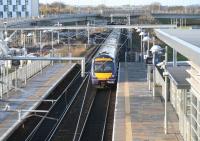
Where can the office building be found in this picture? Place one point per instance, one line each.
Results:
(19, 8)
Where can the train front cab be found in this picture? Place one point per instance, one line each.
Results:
(103, 72)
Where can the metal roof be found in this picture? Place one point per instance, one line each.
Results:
(186, 42)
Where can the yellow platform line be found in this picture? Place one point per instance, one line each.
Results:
(128, 125)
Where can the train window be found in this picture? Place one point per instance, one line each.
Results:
(103, 66)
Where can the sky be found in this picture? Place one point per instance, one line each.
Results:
(124, 2)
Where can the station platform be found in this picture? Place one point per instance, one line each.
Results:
(137, 116)
(37, 88)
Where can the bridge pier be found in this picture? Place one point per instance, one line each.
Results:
(76, 30)
(174, 58)
(88, 31)
(180, 24)
(185, 22)
(129, 19)
(1, 35)
(174, 21)
(111, 18)
(131, 39)
(34, 38)
(22, 37)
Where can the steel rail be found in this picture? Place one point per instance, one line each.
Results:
(69, 85)
(52, 132)
(88, 59)
(76, 76)
(97, 126)
(82, 106)
(81, 133)
(106, 116)
(45, 116)
(86, 119)
(87, 63)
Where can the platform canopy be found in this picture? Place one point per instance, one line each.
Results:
(185, 41)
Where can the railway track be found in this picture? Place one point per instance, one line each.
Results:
(34, 119)
(99, 125)
(90, 120)
(110, 119)
(69, 126)
(66, 94)
(47, 127)
(95, 126)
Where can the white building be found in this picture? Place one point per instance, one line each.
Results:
(19, 8)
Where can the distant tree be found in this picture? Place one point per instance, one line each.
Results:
(147, 19)
(101, 6)
(58, 5)
(177, 9)
(55, 8)
(156, 6)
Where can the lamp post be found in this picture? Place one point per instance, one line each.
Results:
(69, 47)
(52, 48)
(88, 31)
(59, 25)
(5, 28)
(147, 39)
(129, 36)
(25, 54)
(41, 49)
(165, 74)
(7, 80)
(141, 35)
(25, 80)
(40, 42)
(163, 65)
(154, 49)
(2, 81)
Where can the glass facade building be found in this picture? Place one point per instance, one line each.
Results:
(19, 8)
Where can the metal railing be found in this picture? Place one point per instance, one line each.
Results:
(160, 81)
(19, 77)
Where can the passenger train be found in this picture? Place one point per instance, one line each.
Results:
(105, 62)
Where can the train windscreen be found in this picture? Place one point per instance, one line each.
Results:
(103, 67)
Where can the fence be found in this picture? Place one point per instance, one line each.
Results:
(19, 77)
(180, 100)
